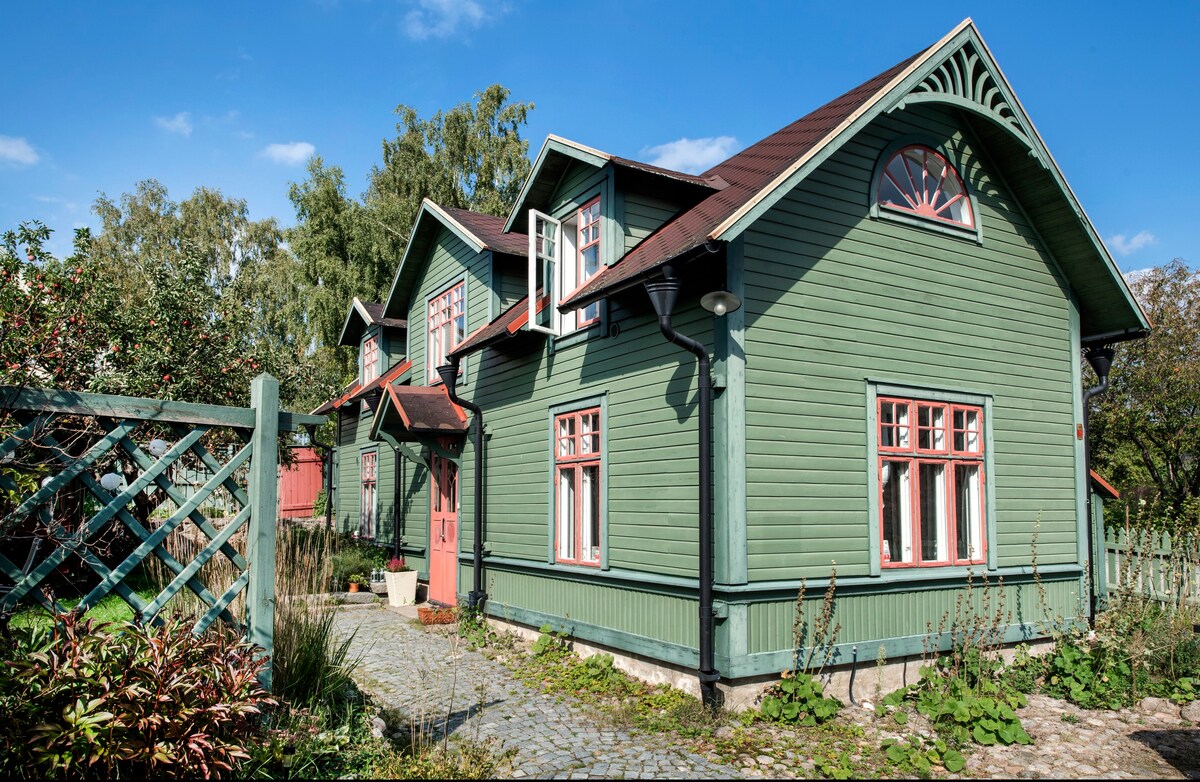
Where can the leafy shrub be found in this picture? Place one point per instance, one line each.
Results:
(799, 698)
(917, 755)
(965, 697)
(89, 700)
(348, 562)
(550, 643)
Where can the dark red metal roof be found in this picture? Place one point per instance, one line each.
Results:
(490, 230)
(1105, 488)
(427, 409)
(746, 173)
(375, 313)
(357, 390)
(509, 323)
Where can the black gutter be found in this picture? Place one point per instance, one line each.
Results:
(327, 465)
(1100, 357)
(663, 293)
(449, 375)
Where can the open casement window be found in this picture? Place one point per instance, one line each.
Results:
(931, 483)
(919, 181)
(447, 326)
(577, 473)
(545, 251)
(368, 479)
(563, 255)
(370, 360)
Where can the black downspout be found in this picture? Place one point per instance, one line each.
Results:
(449, 375)
(1100, 357)
(327, 464)
(663, 294)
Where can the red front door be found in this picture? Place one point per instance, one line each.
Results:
(443, 531)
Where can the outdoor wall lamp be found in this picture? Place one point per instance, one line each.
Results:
(110, 481)
(157, 446)
(720, 303)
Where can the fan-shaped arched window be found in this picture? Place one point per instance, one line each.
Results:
(918, 180)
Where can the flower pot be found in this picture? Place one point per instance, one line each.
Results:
(401, 587)
(352, 587)
(437, 616)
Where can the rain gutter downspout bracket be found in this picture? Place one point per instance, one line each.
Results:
(449, 375)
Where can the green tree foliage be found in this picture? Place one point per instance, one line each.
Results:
(471, 157)
(184, 301)
(1146, 429)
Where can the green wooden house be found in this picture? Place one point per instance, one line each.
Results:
(870, 323)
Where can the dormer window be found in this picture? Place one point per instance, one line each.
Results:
(370, 359)
(919, 181)
(563, 256)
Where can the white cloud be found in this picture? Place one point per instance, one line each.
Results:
(691, 155)
(291, 154)
(181, 123)
(1123, 245)
(17, 151)
(70, 206)
(442, 18)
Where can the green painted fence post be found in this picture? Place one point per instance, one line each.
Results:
(260, 541)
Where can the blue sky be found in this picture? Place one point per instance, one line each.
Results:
(235, 96)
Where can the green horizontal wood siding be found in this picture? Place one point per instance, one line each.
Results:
(650, 391)
(834, 297)
(643, 215)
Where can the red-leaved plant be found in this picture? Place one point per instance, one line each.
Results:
(88, 700)
(397, 565)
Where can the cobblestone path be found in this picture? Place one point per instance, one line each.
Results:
(427, 675)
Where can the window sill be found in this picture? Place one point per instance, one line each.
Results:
(937, 226)
(910, 573)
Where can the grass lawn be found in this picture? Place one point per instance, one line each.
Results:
(110, 609)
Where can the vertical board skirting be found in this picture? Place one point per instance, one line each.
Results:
(260, 539)
(729, 337)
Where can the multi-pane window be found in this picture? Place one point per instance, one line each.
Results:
(447, 326)
(563, 256)
(588, 256)
(920, 181)
(368, 477)
(577, 471)
(370, 360)
(931, 483)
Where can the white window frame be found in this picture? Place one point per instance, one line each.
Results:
(560, 270)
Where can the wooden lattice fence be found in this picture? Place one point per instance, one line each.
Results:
(80, 471)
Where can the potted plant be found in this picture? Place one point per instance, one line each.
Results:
(356, 581)
(401, 582)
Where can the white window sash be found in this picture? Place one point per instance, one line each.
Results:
(549, 267)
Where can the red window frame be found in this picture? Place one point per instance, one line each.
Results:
(901, 440)
(920, 192)
(369, 484)
(575, 453)
(587, 236)
(370, 359)
(446, 327)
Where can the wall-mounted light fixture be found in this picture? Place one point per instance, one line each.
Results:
(720, 303)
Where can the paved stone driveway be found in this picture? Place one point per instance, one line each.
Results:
(431, 677)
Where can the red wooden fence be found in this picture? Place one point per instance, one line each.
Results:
(299, 484)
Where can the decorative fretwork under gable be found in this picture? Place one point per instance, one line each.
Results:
(966, 78)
